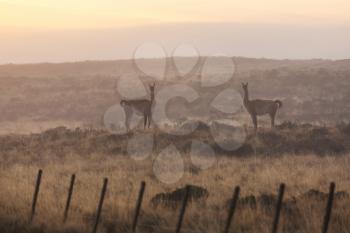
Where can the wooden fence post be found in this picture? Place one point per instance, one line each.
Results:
(183, 209)
(35, 196)
(327, 215)
(69, 197)
(232, 209)
(278, 208)
(100, 204)
(138, 206)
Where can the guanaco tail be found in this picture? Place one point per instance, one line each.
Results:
(139, 106)
(260, 107)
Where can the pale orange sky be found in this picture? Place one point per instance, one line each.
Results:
(82, 14)
(73, 30)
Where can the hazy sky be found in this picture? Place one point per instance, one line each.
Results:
(106, 29)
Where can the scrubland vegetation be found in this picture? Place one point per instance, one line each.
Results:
(266, 160)
(52, 119)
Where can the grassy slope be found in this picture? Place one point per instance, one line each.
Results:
(287, 138)
(61, 152)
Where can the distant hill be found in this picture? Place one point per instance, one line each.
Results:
(34, 97)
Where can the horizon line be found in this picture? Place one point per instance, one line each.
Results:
(157, 58)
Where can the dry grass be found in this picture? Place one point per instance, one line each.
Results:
(264, 161)
(255, 175)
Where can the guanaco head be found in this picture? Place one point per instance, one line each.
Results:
(245, 86)
(151, 87)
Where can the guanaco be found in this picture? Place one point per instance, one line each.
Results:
(260, 107)
(140, 107)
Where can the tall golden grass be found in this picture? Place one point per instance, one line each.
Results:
(255, 175)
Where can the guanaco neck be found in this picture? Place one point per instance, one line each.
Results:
(152, 97)
(246, 97)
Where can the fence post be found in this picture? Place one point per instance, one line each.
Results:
(138, 206)
(100, 204)
(327, 215)
(183, 209)
(70, 193)
(35, 196)
(232, 209)
(278, 208)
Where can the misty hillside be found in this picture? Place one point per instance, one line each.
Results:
(34, 97)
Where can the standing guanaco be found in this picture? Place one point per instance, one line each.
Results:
(260, 107)
(140, 107)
